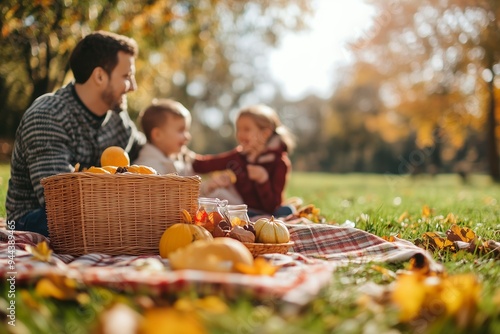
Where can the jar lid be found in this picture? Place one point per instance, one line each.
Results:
(237, 207)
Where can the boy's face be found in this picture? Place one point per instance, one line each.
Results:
(173, 135)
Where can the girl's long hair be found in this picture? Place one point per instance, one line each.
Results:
(267, 118)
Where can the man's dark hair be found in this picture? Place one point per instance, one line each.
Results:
(99, 49)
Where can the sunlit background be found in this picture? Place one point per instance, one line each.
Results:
(305, 62)
(396, 87)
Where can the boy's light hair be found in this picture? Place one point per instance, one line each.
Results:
(156, 114)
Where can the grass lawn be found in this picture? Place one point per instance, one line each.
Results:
(4, 180)
(380, 204)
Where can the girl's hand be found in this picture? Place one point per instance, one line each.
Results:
(257, 173)
(218, 179)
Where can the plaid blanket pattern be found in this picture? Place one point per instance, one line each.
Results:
(347, 244)
(303, 272)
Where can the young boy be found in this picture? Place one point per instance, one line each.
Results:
(166, 124)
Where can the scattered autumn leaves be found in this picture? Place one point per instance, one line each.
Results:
(423, 294)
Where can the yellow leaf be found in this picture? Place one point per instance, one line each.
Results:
(409, 295)
(426, 211)
(59, 287)
(28, 299)
(403, 216)
(435, 241)
(260, 267)
(160, 320)
(450, 218)
(391, 238)
(464, 233)
(212, 304)
(41, 251)
(460, 292)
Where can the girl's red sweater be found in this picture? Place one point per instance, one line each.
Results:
(265, 196)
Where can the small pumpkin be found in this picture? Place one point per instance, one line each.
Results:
(271, 231)
(181, 234)
(219, 255)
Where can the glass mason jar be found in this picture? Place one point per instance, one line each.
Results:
(210, 212)
(238, 214)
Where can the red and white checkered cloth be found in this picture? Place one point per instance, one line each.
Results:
(303, 273)
(347, 244)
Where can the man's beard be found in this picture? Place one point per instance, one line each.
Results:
(109, 98)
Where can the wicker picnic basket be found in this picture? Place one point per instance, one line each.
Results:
(115, 214)
(259, 248)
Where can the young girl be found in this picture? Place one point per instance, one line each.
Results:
(260, 161)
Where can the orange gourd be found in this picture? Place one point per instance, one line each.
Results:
(181, 234)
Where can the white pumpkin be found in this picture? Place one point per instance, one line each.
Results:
(271, 231)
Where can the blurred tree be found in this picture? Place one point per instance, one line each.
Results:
(353, 123)
(438, 62)
(202, 53)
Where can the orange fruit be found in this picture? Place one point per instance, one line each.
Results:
(115, 156)
(141, 169)
(97, 170)
(111, 169)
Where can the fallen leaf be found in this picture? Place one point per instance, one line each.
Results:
(160, 320)
(391, 238)
(465, 234)
(403, 216)
(41, 251)
(409, 295)
(450, 218)
(419, 296)
(260, 267)
(426, 211)
(59, 287)
(434, 241)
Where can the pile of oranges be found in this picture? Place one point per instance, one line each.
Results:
(115, 160)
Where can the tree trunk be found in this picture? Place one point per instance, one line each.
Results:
(491, 139)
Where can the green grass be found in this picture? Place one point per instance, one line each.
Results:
(4, 181)
(384, 198)
(374, 203)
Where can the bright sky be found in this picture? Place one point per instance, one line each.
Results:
(305, 63)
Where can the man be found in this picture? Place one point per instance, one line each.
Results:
(73, 125)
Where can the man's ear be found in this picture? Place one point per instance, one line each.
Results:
(99, 75)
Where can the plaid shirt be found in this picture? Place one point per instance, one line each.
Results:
(55, 133)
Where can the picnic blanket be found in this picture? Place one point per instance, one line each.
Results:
(304, 271)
